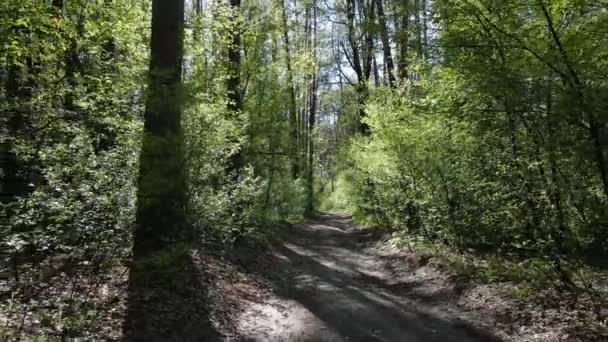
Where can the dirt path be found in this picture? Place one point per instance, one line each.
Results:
(331, 284)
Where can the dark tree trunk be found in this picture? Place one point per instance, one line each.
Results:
(11, 183)
(403, 39)
(352, 39)
(311, 152)
(73, 65)
(418, 28)
(161, 197)
(368, 52)
(311, 118)
(235, 104)
(293, 119)
(16, 174)
(376, 72)
(166, 300)
(361, 62)
(386, 46)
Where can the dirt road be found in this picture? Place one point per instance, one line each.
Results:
(330, 284)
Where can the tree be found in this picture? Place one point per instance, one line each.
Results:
(312, 115)
(164, 286)
(360, 18)
(403, 18)
(161, 188)
(235, 101)
(293, 120)
(386, 46)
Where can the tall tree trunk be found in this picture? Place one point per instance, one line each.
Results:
(235, 104)
(311, 117)
(196, 34)
(293, 119)
(12, 183)
(386, 46)
(361, 61)
(73, 66)
(368, 44)
(418, 28)
(403, 40)
(376, 72)
(425, 30)
(165, 292)
(352, 39)
(161, 196)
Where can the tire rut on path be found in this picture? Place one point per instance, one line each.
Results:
(330, 285)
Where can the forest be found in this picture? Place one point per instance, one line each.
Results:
(163, 162)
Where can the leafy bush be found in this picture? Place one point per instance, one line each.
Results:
(434, 168)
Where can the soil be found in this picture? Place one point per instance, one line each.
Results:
(331, 282)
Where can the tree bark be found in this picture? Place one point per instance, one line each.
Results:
(235, 104)
(386, 46)
(161, 188)
(376, 72)
(293, 119)
(418, 29)
(403, 38)
(361, 66)
(311, 117)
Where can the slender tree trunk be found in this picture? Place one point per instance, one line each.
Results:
(271, 170)
(418, 28)
(360, 62)
(352, 39)
(73, 65)
(311, 116)
(386, 46)
(368, 44)
(403, 40)
(196, 35)
(12, 183)
(293, 120)
(376, 72)
(425, 29)
(235, 104)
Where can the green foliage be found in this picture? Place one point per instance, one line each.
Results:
(287, 199)
(224, 206)
(498, 146)
(339, 198)
(70, 139)
(446, 163)
(76, 165)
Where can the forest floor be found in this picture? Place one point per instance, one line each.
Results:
(321, 280)
(328, 280)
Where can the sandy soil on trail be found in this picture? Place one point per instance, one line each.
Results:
(331, 283)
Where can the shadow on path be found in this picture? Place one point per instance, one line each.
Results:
(321, 265)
